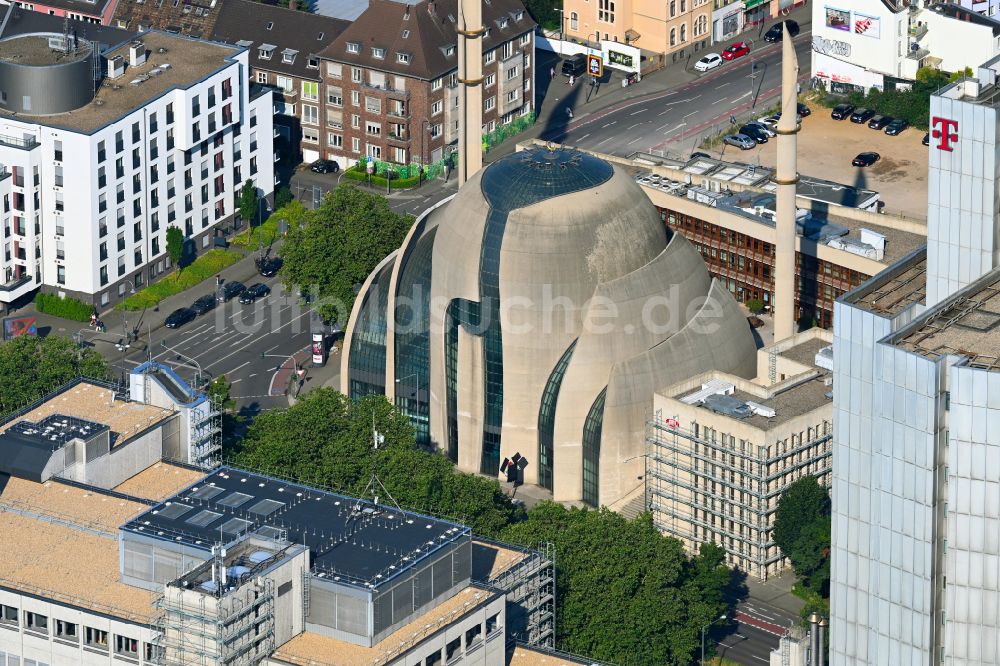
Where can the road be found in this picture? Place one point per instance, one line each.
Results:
(230, 341)
(753, 634)
(680, 118)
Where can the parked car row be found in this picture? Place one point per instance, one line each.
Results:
(859, 116)
(267, 267)
(760, 130)
(740, 49)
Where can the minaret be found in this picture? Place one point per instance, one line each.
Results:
(470, 92)
(785, 178)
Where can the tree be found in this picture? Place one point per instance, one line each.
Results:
(338, 245)
(326, 440)
(802, 532)
(218, 391)
(755, 306)
(30, 367)
(248, 202)
(622, 588)
(175, 245)
(544, 12)
(282, 197)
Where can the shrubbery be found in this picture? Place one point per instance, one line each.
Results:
(202, 268)
(67, 308)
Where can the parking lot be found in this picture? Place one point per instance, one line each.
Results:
(826, 148)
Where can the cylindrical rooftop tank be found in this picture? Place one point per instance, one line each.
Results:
(46, 73)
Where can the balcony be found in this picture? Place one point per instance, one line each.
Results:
(918, 55)
(391, 93)
(397, 114)
(918, 31)
(24, 143)
(14, 283)
(397, 139)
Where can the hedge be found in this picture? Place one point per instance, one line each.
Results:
(202, 268)
(266, 232)
(67, 308)
(359, 173)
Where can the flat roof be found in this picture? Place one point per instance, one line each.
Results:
(489, 560)
(966, 324)
(88, 401)
(68, 565)
(524, 655)
(189, 60)
(312, 649)
(159, 481)
(34, 50)
(356, 541)
(895, 289)
(96, 511)
(805, 352)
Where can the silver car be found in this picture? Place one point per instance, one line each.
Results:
(741, 141)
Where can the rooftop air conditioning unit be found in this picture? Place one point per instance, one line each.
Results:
(116, 67)
(136, 54)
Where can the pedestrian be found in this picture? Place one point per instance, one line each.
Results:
(572, 80)
(569, 112)
(552, 72)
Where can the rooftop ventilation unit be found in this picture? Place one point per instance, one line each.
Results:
(136, 54)
(727, 405)
(761, 410)
(711, 387)
(116, 67)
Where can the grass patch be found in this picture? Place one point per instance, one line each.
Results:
(67, 308)
(265, 233)
(201, 269)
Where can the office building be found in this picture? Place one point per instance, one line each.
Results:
(868, 44)
(104, 148)
(494, 348)
(391, 80)
(722, 449)
(677, 28)
(113, 555)
(916, 505)
(283, 45)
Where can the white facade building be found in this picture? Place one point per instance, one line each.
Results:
(167, 139)
(916, 498)
(863, 44)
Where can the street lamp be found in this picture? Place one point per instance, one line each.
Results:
(424, 126)
(703, 630)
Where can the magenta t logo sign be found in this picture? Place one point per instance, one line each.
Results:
(946, 131)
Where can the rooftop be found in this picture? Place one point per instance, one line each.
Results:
(68, 504)
(189, 61)
(352, 541)
(87, 7)
(159, 481)
(44, 558)
(895, 289)
(22, 21)
(194, 18)
(489, 560)
(966, 324)
(36, 50)
(960, 13)
(312, 649)
(805, 352)
(524, 655)
(91, 402)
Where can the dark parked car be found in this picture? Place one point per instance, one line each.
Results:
(862, 115)
(203, 305)
(324, 166)
(774, 32)
(896, 126)
(179, 317)
(696, 155)
(842, 111)
(879, 122)
(865, 159)
(252, 293)
(269, 267)
(231, 290)
(574, 66)
(803, 110)
(927, 139)
(754, 132)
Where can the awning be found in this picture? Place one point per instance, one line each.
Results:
(750, 4)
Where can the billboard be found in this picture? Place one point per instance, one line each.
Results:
(838, 19)
(595, 65)
(15, 327)
(869, 26)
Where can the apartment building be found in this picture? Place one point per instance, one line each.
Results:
(107, 147)
(96, 12)
(192, 18)
(727, 211)
(283, 45)
(677, 28)
(722, 450)
(391, 80)
(113, 555)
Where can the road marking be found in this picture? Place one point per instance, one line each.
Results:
(632, 126)
(292, 321)
(240, 366)
(761, 658)
(744, 95)
(633, 141)
(582, 137)
(676, 128)
(603, 141)
(663, 113)
(642, 110)
(723, 85)
(690, 114)
(235, 381)
(609, 124)
(662, 127)
(252, 375)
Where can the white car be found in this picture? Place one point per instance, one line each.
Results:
(767, 121)
(711, 61)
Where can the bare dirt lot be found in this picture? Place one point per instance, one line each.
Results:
(826, 148)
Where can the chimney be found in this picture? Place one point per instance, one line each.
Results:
(785, 177)
(814, 618)
(136, 54)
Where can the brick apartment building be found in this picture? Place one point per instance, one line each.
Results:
(193, 18)
(283, 44)
(390, 79)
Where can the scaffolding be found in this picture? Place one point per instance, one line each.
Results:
(206, 436)
(530, 588)
(701, 490)
(233, 626)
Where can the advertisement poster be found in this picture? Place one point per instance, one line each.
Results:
(869, 26)
(595, 66)
(838, 19)
(620, 59)
(15, 327)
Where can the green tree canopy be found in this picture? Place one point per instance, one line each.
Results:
(326, 439)
(247, 202)
(30, 367)
(802, 532)
(338, 245)
(622, 588)
(175, 245)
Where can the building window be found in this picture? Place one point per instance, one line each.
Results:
(67, 630)
(334, 70)
(490, 104)
(437, 83)
(335, 97)
(673, 36)
(310, 114)
(378, 53)
(355, 121)
(435, 131)
(373, 129)
(355, 98)
(356, 74)
(288, 56)
(491, 79)
(403, 58)
(8, 614)
(512, 96)
(673, 8)
(264, 54)
(400, 157)
(683, 33)
(512, 73)
(373, 105)
(312, 62)
(353, 47)
(700, 24)
(35, 621)
(606, 11)
(374, 151)
(525, 39)
(310, 135)
(310, 91)
(127, 647)
(592, 450)
(437, 107)
(335, 140)
(508, 49)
